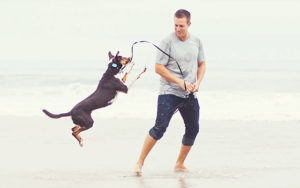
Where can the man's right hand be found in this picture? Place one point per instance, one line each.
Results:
(166, 74)
(188, 86)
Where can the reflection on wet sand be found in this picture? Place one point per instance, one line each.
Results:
(182, 183)
(144, 182)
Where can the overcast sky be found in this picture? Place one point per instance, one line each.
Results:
(87, 29)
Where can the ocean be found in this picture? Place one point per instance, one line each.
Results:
(236, 90)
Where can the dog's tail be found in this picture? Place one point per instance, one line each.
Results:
(56, 115)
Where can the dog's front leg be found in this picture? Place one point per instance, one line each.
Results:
(126, 74)
(136, 78)
(130, 85)
(123, 80)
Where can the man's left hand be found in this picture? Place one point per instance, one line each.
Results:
(196, 86)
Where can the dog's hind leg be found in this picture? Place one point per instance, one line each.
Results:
(76, 130)
(82, 121)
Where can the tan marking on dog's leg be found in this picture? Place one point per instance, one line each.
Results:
(76, 134)
(78, 138)
(124, 77)
(143, 71)
(137, 77)
(76, 128)
(127, 73)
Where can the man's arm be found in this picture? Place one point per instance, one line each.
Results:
(166, 74)
(200, 75)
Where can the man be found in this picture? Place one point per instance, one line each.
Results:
(177, 87)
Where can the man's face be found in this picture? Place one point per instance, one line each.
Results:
(181, 27)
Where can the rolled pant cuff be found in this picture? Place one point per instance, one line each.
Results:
(153, 135)
(188, 141)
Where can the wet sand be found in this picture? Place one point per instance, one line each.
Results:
(40, 152)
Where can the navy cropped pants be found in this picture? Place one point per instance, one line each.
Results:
(189, 110)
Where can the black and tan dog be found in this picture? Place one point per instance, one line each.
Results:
(104, 95)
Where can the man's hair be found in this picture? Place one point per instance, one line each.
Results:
(181, 13)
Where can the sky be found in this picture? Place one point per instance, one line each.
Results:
(74, 30)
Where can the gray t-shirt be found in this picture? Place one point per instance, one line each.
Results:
(187, 53)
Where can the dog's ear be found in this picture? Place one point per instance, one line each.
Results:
(110, 56)
(117, 53)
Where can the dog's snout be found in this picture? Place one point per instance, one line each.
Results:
(128, 60)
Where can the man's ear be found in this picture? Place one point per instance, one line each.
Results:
(110, 56)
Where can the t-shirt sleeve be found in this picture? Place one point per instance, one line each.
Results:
(200, 53)
(162, 58)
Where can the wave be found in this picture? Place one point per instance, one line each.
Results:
(141, 102)
(239, 95)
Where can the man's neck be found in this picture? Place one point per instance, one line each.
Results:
(184, 37)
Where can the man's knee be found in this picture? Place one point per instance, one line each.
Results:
(157, 132)
(190, 135)
(195, 130)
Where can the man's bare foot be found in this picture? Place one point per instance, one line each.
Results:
(138, 169)
(75, 134)
(180, 168)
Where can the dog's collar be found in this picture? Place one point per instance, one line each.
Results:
(116, 66)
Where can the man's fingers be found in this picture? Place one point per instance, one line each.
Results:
(195, 87)
(189, 87)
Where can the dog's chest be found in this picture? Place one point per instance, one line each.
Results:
(113, 99)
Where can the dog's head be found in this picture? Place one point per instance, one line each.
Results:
(117, 62)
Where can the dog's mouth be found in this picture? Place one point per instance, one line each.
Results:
(124, 61)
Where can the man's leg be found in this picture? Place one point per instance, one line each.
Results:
(190, 115)
(148, 145)
(167, 104)
(181, 158)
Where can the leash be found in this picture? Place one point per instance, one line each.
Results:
(144, 41)
(190, 96)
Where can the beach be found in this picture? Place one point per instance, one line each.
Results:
(38, 151)
(249, 129)
(53, 54)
